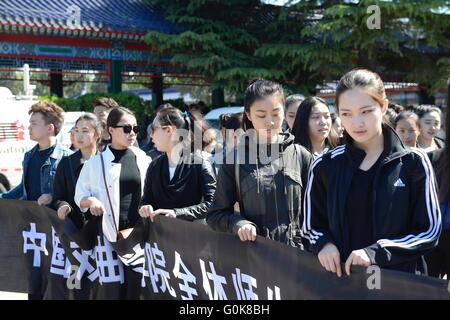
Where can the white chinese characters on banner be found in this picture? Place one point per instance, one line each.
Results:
(217, 280)
(109, 266)
(244, 293)
(83, 257)
(186, 276)
(36, 242)
(60, 264)
(156, 266)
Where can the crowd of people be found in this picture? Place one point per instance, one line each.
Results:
(354, 184)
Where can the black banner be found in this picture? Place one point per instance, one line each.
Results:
(175, 259)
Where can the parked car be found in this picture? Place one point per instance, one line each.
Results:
(212, 117)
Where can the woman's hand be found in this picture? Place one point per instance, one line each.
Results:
(167, 212)
(63, 211)
(146, 211)
(358, 258)
(247, 232)
(96, 206)
(45, 199)
(330, 259)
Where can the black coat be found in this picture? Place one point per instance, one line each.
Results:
(269, 195)
(406, 216)
(66, 177)
(189, 193)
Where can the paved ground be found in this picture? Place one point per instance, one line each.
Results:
(13, 296)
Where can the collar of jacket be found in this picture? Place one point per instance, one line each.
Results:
(286, 140)
(109, 156)
(76, 159)
(393, 147)
(59, 151)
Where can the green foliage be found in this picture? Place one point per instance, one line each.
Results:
(86, 103)
(307, 42)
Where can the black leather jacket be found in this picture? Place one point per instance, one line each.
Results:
(189, 193)
(269, 195)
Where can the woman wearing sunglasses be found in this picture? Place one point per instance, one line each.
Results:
(111, 184)
(181, 182)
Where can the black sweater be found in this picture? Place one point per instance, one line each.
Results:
(130, 187)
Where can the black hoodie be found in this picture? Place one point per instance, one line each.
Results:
(269, 192)
(406, 221)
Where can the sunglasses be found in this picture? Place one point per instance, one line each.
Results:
(128, 127)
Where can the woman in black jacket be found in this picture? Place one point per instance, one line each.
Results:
(370, 201)
(438, 259)
(266, 176)
(87, 131)
(181, 182)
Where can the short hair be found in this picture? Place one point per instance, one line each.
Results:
(51, 112)
(294, 99)
(106, 102)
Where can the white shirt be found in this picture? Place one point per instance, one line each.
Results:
(171, 172)
(91, 184)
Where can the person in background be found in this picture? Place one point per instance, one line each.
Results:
(337, 125)
(430, 124)
(389, 117)
(396, 107)
(230, 129)
(312, 126)
(102, 107)
(438, 259)
(292, 104)
(73, 142)
(407, 128)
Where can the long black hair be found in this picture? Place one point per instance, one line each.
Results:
(300, 129)
(258, 90)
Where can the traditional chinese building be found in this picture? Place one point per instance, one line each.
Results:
(70, 37)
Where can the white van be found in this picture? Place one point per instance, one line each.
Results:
(15, 138)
